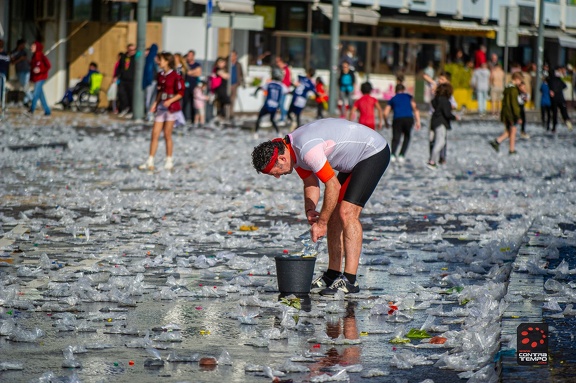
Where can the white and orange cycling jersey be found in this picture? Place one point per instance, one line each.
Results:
(323, 146)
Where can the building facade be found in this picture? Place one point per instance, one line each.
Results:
(388, 36)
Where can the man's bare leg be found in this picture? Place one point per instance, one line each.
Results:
(335, 241)
(352, 235)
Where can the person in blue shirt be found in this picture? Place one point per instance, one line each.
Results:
(276, 91)
(346, 83)
(545, 104)
(83, 84)
(300, 95)
(149, 84)
(405, 114)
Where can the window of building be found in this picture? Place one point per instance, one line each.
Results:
(293, 49)
(120, 11)
(81, 10)
(159, 8)
(297, 18)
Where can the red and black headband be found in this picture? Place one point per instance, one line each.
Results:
(274, 157)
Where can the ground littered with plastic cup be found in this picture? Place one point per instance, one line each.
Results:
(111, 274)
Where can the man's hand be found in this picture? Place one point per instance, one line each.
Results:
(318, 230)
(312, 216)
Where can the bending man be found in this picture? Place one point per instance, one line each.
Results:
(316, 150)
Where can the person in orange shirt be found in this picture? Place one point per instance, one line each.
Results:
(365, 106)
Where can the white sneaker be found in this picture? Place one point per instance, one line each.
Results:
(392, 158)
(148, 165)
(401, 159)
(569, 124)
(256, 136)
(169, 164)
(123, 113)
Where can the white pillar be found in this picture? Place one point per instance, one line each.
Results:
(486, 12)
(55, 45)
(563, 12)
(4, 20)
(432, 11)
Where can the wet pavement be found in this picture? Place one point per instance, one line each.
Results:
(110, 274)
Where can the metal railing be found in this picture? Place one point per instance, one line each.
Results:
(3, 92)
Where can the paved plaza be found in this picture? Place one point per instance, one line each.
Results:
(112, 274)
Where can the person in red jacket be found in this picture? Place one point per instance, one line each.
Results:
(167, 108)
(321, 99)
(39, 67)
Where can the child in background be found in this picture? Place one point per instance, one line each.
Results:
(200, 98)
(167, 108)
(510, 114)
(405, 113)
(321, 98)
(300, 96)
(440, 122)
(346, 82)
(522, 100)
(545, 104)
(275, 91)
(365, 106)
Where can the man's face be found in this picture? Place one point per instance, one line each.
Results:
(190, 57)
(131, 50)
(281, 168)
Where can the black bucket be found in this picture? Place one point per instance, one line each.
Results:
(295, 274)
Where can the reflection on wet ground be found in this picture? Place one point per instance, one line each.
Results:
(144, 274)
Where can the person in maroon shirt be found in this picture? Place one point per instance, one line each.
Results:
(167, 108)
(39, 67)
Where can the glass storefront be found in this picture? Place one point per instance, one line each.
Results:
(371, 55)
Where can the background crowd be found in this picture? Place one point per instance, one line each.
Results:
(215, 93)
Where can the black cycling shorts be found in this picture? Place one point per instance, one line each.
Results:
(358, 185)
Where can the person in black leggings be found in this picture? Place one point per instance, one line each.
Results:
(405, 113)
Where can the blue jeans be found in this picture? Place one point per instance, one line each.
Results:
(283, 110)
(24, 79)
(39, 94)
(481, 97)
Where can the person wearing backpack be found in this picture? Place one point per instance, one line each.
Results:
(346, 83)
